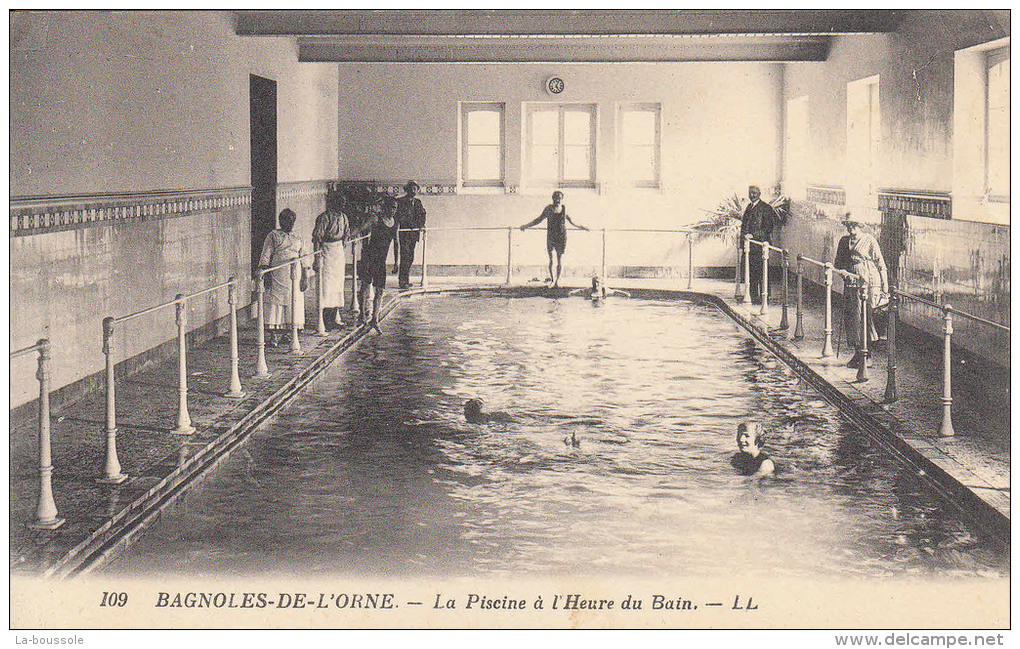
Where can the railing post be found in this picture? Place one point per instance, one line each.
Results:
(355, 307)
(798, 330)
(424, 258)
(736, 275)
(946, 429)
(862, 366)
(890, 377)
(261, 369)
(746, 299)
(111, 472)
(184, 426)
(509, 252)
(764, 278)
(320, 322)
(46, 512)
(236, 391)
(690, 261)
(827, 331)
(784, 322)
(295, 290)
(603, 254)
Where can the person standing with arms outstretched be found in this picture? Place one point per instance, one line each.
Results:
(410, 221)
(556, 218)
(372, 265)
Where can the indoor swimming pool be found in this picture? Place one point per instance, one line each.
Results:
(608, 454)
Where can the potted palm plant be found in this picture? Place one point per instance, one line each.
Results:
(724, 221)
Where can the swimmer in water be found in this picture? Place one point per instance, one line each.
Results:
(599, 290)
(474, 413)
(751, 460)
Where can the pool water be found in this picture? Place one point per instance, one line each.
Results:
(609, 454)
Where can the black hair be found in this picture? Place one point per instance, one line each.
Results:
(287, 219)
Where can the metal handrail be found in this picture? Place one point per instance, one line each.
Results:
(163, 305)
(820, 264)
(209, 290)
(969, 316)
(503, 229)
(112, 471)
(975, 318)
(917, 298)
(27, 350)
(263, 271)
(845, 274)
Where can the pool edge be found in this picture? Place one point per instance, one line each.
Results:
(117, 533)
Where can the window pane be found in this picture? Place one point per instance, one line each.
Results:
(545, 128)
(639, 164)
(576, 163)
(639, 127)
(483, 163)
(483, 127)
(544, 163)
(576, 127)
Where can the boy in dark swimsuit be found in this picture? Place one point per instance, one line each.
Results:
(372, 266)
(556, 233)
(751, 460)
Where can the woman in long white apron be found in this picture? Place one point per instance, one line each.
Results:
(330, 236)
(281, 245)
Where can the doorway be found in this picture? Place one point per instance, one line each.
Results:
(263, 163)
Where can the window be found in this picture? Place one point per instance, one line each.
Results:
(863, 139)
(481, 145)
(560, 145)
(981, 132)
(796, 147)
(639, 148)
(997, 124)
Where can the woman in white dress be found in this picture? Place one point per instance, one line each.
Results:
(281, 245)
(858, 252)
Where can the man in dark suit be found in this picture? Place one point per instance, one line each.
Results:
(759, 220)
(410, 218)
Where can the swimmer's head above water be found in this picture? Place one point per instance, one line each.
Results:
(751, 460)
(473, 410)
(750, 437)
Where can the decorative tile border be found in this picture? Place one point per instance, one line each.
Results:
(302, 189)
(42, 214)
(396, 188)
(935, 205)
(826, 195)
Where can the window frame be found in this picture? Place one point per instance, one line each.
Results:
(796, 160)
(622, 145)
(532, 108)
(993, 58)
(869, 88)
(467, 107)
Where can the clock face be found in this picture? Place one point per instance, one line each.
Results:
(554, 85)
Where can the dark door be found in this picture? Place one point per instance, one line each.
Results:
(263, 163)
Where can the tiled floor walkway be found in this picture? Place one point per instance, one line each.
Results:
(978, 456)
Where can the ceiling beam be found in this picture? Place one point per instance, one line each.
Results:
(563, 22)
(609, 49)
